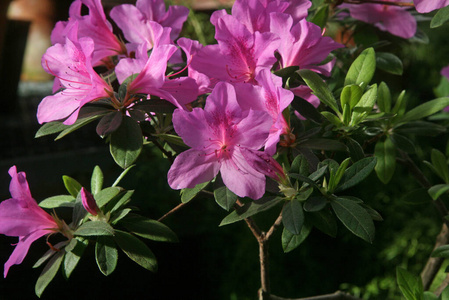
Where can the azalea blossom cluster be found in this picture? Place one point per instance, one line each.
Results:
(242, 114)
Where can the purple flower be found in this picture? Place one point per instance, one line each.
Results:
(425, 6)
(302, 44)
(394, 19)
(242, 53)
(218, 136)
(93, 25)
(71, 64)
(138, 22)
(21, 216)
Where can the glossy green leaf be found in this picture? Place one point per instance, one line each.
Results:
(48, 273)
(385, 152)
(389, 62)
(72, 186)
(442, 251)
(323, 144)
(106, 254)
(319, 88)
(325, 221)
(50, 128)
(136, 250)
(126, 143)
(439, 162)
(119, 201)
(79, 212)
(333, 119)
(362, 69)
(188, 194)
(58, 201)
(149, 229)
(445, 294)
(410, 285)
(120, 177)
(223, 196)
(441, 17)
(250, 209)
(286, 72)
(96, 181)
(293, 216)
(420, 128)
(316, 203)
(365, 105)
(357, 173)
(291, 241)
(403, 143)
(355, 218)
(300, 166)
(50, 252)
(104, 196)
(335, 178)
(350, 95)
(94, 228)
(425, 110)
(155, 105)
(321, 16)
(77, 125)
(119, 215)
(429, 296)
(306, 109)
(442, 90)
(355, 149)
(400, 105)
(384, 97)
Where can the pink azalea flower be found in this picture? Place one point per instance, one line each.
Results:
(93, 25)
(151, 77)
(21, 216)
(89, 203)
(394, 19)
(268, 96)
(302, 44)
(425, 6)
(242, 53)
(71, 64)
(255, 14)
(218, 136)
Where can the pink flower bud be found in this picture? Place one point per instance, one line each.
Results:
(89, 202)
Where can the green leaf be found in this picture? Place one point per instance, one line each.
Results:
(384, 98)
(439, 163)
(286, 72)
(425, 110)
(48, 273)
(79, 212)
(50, 128)
(293, 216)
(325, 221)
(385, 152)
(72, 186)
(155, 105)
(149, 229)
(120, 177)
(437, 190)
(389, 62)
(58, 201)
(355, 218)
(291, 241)
(399, 105)
(173, 139)
(335, 178)
(445, 294)
(357, 173)
(96, 181)
(355, 150)
(375, 215)
(109, 123)
(403, 143)
(416, 197)
(442, 251)
(126, 143)
(136, 250)
(119, 201)
(316, 203)
(420, 128)
(350, 95)
(77, 125)
(430, 296)
(362, 69)
(188, 194)
(321, 15)
(50, 252)
(306, 109)
(365, 105)
(442, 90)
(223, 196)
(320, 89)
(440, 17)
(104, 196)
(323, 144)
(115, 218)
(106, 254)
(409, 284)
(250, 209)
(333, 119)
(94, 228)
(74, 251)
(300, 166)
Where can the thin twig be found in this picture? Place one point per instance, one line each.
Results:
(402, 4)
(167, 153)
(178, 207)
(275, 226)
(338, 295)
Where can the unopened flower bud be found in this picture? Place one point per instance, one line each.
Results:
(89, 202)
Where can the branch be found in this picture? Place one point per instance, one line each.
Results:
(275, 226)
(402, 4)
(443, 285)
(178, 207)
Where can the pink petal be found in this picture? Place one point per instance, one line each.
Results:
(425, 6)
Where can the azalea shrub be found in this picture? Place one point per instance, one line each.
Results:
(282, 112)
